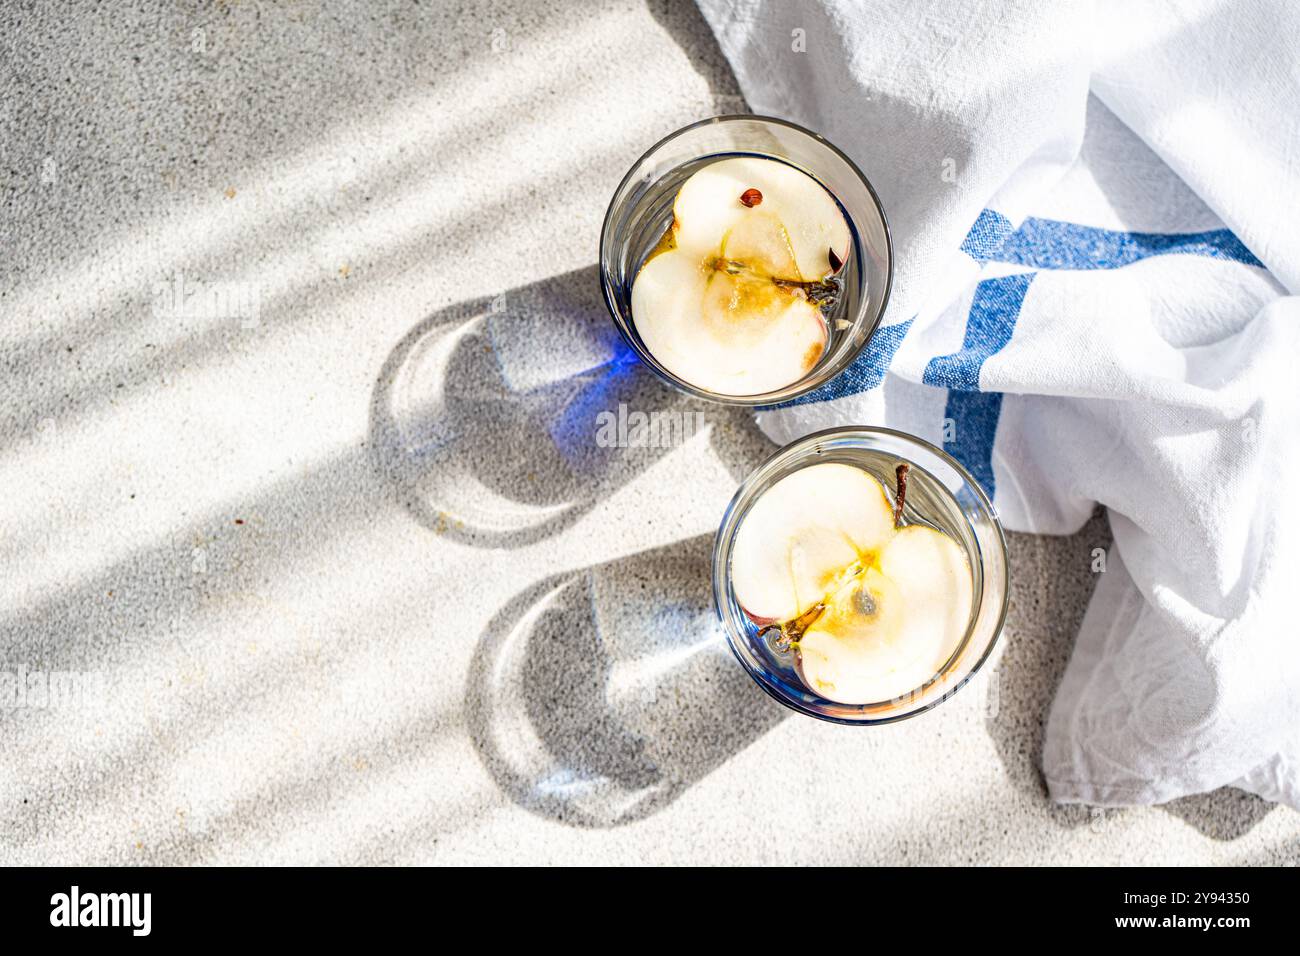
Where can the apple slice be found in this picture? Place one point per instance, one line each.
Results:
(802, 534)
(886, 632)
(732, 335)
(709, 206)
(873, 611)
(723, 302)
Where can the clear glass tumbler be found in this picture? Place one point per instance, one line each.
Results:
(642, 210)
(941, 493)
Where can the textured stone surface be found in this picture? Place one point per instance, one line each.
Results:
(353, 596)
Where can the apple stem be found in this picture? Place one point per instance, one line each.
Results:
(808, 284)
(793, 630)
(900, 496)
(822, 293)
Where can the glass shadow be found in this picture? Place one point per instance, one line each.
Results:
(597, 696)
(487, 417)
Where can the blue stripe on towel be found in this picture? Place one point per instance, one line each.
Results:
(1037, 244)
(1041, 244)
(992, 320)
(975, 423)
(1052, 244)
(986, 237)
(865, 372)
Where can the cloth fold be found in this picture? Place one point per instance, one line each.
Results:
(1094, 254)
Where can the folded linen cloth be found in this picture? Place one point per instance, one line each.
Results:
(1095, 249)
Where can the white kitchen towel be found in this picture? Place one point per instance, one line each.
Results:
(1094, 212)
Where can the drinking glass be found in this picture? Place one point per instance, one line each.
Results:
(642, 211)
(940, 493)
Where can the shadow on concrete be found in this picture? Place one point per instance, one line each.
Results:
(1051, 584)
(487, 418)
(1223, 814)
(597, 696)
(688, 29)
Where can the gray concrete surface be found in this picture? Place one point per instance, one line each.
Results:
(350, 596)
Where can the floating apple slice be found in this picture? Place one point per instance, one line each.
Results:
(733, 335)
(857, 641)
(724, 302)
(874, 610)
(886, 632)
(709, 205)
(802, 534)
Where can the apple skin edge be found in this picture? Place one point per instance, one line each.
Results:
(836, 260)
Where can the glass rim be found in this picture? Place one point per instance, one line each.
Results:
(729, 525)
(775, 396)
